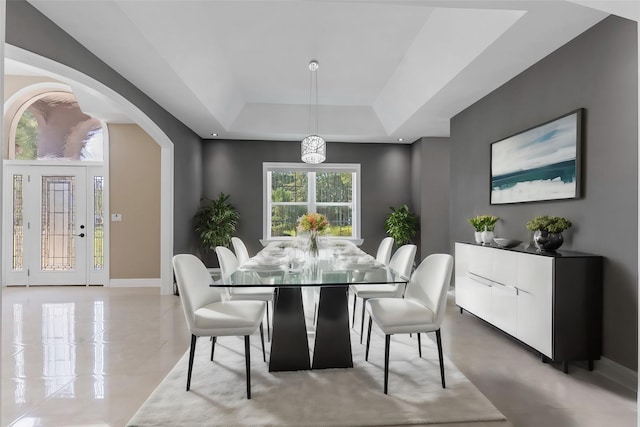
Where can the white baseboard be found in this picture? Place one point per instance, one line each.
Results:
(616, 372)
(135, 283)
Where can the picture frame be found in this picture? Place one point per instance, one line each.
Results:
(541, 163)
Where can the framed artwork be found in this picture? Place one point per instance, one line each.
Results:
(541, 163)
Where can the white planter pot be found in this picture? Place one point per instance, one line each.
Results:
(487, 237)
(478, 236)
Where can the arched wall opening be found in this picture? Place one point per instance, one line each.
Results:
(75, 78)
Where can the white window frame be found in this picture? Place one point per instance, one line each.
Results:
(303, 167)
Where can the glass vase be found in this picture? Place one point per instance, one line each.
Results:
(313, 248)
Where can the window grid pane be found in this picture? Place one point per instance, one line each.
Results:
(18, 224)
(284, 219)
(98, 223)
(340, 220)
(289, 186)
(334, 187)
(58, 222)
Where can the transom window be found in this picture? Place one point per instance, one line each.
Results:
(51, 126)
(293, 189)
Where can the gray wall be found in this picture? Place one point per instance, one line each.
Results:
(28, 29)
(235, 168)
(597, 71)
(416, 190)
(431, 156)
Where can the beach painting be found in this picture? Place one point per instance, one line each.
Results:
(541, 163)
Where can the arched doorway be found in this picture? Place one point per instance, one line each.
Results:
(67, 74)
(54, 186)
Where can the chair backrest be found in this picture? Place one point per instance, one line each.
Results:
(384, 250)
(240, 249)
(402, 260)
(193, 281)
(228, 261)
(430, 282)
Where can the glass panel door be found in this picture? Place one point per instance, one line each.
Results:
(59, 246)
(48, 222)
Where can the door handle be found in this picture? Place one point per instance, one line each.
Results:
(79, 235)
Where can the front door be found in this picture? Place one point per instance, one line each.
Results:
(49, 225)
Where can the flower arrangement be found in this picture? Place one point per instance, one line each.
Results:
(312, 221)
(550, 224)
(484, 222)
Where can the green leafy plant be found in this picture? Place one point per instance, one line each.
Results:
(551, 224)
(484, 222)
(216, 222)
(401, 224)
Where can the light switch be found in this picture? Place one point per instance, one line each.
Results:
(116, 217)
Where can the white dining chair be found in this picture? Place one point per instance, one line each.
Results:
(420, 310)
(401, 262)
(208, 315)
(240, 249)
(383, 254)
(228, 264)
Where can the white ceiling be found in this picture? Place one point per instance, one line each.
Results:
(388, 69)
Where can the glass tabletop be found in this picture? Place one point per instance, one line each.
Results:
(311, 273)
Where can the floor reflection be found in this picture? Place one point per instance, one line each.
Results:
(59, 342)
(58, 348)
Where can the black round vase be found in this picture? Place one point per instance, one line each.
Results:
(546, 241)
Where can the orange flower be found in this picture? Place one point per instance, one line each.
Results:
(313, 221)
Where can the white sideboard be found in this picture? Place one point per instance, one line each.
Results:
(551, 302)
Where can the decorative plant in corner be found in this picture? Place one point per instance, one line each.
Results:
(216, 223)
(401, 224)
(547, 231)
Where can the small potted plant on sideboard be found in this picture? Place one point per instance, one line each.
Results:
(484, 226)
(547, 231)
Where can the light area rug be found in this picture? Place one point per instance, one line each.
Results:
(329, 397)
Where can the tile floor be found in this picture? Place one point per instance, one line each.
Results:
(77, 356)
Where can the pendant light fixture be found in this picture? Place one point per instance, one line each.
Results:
(314, 148)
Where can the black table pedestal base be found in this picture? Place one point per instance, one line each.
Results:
(333, 342)
(289, 345)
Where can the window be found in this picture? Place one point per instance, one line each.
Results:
(51, 126)
(293, 189)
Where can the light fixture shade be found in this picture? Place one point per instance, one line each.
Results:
(314, 149)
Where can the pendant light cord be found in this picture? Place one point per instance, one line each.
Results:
(310, 97)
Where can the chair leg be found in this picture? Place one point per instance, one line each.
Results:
(439, 342)
(353, 318)
(192, 352)
(264, 356)
(364, 302)
(213, 346)
(247, 358)
(387, 340)
(268, 326)
(419, 346)
(366, 353)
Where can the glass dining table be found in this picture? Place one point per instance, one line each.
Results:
(329, 279)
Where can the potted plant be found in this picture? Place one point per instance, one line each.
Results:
(484, 226)
(547, 231)
(215, 223)
(401, 224)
